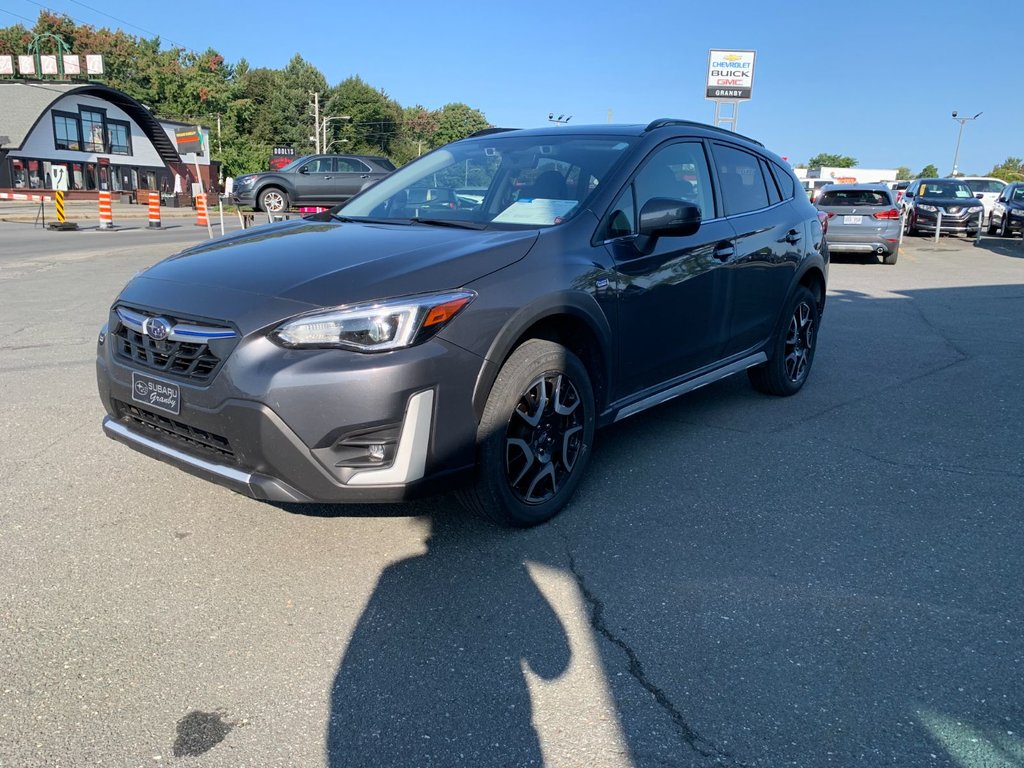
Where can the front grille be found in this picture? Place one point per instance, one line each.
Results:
(195, 357)
(191, 439)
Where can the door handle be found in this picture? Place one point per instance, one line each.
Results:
(365, 176)
(328, 178)
(724, 251)
(792, 237)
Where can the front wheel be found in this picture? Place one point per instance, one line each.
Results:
(909, 226)
(791, 352)
(535, 436)
(991, 228)
(1004, 229)
(273, 200)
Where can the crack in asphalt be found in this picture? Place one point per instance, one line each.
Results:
(693, 740)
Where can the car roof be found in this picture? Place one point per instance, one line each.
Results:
(879, 187)
(980, 178)
(610, 129)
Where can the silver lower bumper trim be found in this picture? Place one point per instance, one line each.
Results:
(125, 434)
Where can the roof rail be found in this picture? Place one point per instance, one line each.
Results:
(666, 121)
(489, 131)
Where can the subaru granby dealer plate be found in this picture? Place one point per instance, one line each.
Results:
(156, 393)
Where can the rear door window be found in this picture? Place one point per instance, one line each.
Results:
(741, 180)
(786, 183)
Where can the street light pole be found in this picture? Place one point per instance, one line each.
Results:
(324, 128)
(956, 155)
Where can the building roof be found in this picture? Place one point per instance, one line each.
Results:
(24, 103)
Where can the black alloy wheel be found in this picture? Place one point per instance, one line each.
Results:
(535, 436)
(799, 347)
(544, 438)
(791, 352)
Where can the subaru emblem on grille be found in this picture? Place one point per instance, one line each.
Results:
(156, 328)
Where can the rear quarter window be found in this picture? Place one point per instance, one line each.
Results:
(787, 184)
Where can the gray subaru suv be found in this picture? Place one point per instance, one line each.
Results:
(468, 322)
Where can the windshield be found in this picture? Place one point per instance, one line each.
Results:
(985, 185)
(294, 163)
(1018, 194)
(502, 180)
(946, 189)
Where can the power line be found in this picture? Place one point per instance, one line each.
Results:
(17, 15)
(115, 18)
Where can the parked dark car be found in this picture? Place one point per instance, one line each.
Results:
(426, 337)
(926, 198)
(315, 180)
(1008, 211)
(863, 218)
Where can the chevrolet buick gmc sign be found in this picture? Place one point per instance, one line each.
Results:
(730, 75)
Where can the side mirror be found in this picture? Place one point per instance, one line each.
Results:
(665, 217)
(980, 196)
(304, 170)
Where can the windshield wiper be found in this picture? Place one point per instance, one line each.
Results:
(368, 220)
(451, 223)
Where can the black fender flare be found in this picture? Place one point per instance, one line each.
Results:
(578, 305)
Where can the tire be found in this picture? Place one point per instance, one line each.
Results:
(273, 200)
(991, 228)
(535, 437)
(890, 258)
(909, 226)
(1004, 229)
(791, 352)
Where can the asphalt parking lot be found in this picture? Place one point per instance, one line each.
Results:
(829, 579)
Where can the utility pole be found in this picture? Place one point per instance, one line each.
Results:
(316, 120)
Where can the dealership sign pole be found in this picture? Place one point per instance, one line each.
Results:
(730, 80)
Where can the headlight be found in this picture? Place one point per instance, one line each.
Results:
(378, 327)
(1018, 212)
(929, 208)
(244, 181)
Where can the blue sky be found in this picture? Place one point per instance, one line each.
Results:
(877, 81)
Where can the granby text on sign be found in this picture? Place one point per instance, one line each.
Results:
(730, 75)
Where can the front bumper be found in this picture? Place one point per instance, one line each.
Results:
(245, 197)
(296, 425)
(962, 223)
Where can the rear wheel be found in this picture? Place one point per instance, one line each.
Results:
(535, 436)
(890, 258)
(791, 352)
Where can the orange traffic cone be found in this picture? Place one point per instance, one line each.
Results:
(154, 210)
(106, 214)
(201, 219)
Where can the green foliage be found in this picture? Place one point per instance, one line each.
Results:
(457, 121)
(929, 172)
(826, 160)
(1012, 169)
(903, 172)
(257, 107)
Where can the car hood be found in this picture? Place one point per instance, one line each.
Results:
(298, 265)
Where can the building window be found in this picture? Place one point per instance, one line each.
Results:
(66, 133)
(119, 137)
(92, 131)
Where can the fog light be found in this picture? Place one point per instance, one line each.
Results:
(376, 452)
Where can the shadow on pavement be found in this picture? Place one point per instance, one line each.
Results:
(823, 579)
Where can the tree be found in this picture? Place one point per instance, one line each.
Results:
(825, 160)
(1012, 169)
(457, 121)
(903, 172)
(374, 117)
(929, 172)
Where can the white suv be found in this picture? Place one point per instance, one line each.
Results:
(986, 189)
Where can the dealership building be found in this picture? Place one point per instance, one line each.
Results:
(102, 137)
